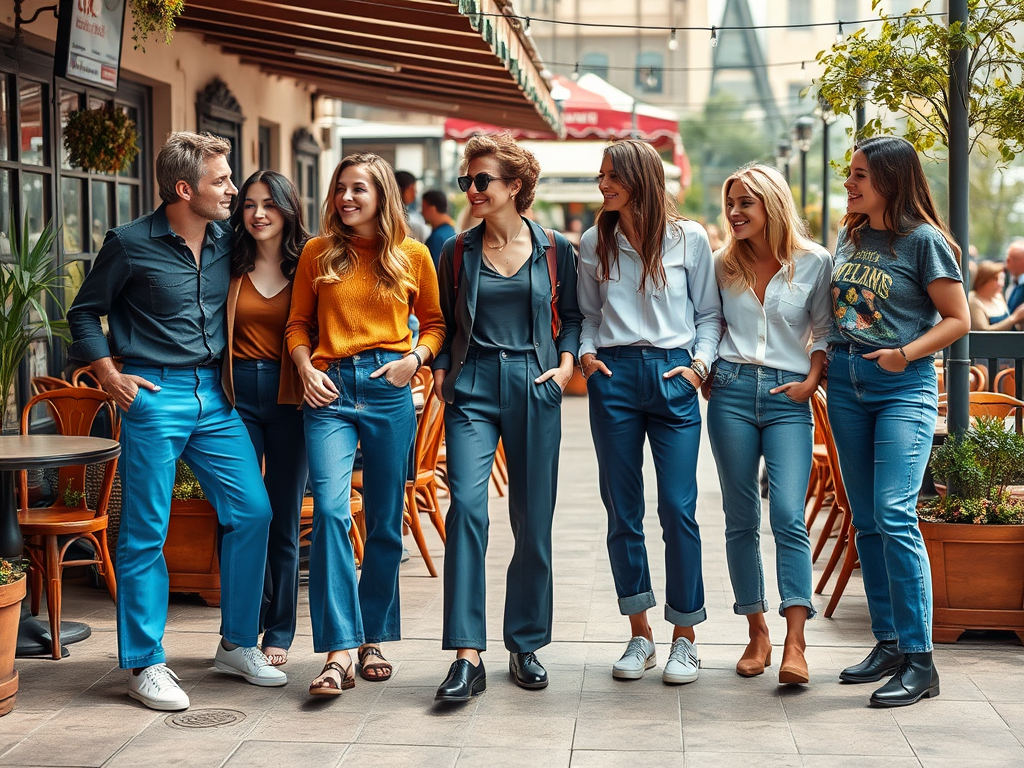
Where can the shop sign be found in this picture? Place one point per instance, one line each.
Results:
(89, 36)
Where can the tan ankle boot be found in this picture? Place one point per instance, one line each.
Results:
(755, 658)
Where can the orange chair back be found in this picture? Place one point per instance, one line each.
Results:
(84, 377)
(819, 407)
(978, 378)
(429, 432)
(47, 384)
(1005, 382)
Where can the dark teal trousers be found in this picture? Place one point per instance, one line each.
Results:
(495, 396)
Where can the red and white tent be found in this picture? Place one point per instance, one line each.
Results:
(594, 110)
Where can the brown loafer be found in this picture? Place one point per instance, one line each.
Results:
(794, 667)
(755, 658)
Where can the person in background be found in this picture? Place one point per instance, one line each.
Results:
(348, 333)
(261, 381)
(417, 227)
(774, 282)
(651, 325)
(989, 311)
(435, 210)
(162, 282)
(897, 299)
(1015, 274)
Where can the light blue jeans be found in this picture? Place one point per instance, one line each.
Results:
(883, 425)
(381, 419)
(746, 422)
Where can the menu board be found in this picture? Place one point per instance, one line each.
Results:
(89, 36)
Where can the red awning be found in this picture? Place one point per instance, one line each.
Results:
(594, 109)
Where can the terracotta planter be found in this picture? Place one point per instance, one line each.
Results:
(11, 596)
(191, 550)
(977, 577)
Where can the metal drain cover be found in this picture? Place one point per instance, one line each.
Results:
(206, 718)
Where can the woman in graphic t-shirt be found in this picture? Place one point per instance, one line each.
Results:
(897, 299)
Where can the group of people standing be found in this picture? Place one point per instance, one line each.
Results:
(206, 312)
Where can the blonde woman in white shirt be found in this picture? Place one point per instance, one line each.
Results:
(774, 283)
(652, 320)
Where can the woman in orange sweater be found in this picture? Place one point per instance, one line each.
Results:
(349, 336)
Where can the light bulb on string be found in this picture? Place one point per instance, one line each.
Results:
(673, 41)
(576, 72)
(839, 35)
(714, 37)
(529, 33)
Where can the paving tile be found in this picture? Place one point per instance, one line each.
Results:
(954, 740)
(729, 760)
(860, 761)
(1013, 716)
(620, 734)
(522, 732)
(399, 756)
(313, 724)
(738, 736)
(586, 758)
(824, 738)
(78, 741)
(273, 754)
(504, 757)
(441, 728)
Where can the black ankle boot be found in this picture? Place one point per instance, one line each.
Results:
(883, 660)
(916, 679)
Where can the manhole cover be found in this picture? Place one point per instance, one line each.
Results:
(206, 718)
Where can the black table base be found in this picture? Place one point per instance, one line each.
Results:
(34, 636)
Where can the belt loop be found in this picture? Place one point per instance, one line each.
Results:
(615, 352)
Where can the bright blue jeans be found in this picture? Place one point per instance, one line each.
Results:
(746, 422)
(634, 404)
(189, 417)
(276, 433)
(381, 418)
(883, 425)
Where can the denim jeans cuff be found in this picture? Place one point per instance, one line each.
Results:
(884, 637)
(458, 643)
(245, 641)
(750, 608)
(637, 603)
(345, 644)
(914, 648)
(385, 637)
(140, 662)
(681, 619)
(791, 601)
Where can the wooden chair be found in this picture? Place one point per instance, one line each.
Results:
(1005, 382)
(846, 542)
(84, 377)
(74, 409)
(499, 470)
(819, 486)
(355, 532)
(978, 378)
(421, 491)
(47, 384)
(990, 404)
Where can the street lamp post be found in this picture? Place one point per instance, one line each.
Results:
(782, 153)
(802, 132)
(824, 111)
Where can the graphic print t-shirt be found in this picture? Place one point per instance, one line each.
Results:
(880, 299)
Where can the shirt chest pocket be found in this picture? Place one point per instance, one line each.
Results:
(168, 293)
(790, 302)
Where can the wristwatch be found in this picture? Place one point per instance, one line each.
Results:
(698, 367)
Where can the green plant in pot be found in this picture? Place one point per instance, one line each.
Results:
(12, 592)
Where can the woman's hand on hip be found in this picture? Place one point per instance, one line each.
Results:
(590, 365)
(560, 375)
(797, 391)
(891, 360)
(687, 373)
(318, 389)
(398, 373)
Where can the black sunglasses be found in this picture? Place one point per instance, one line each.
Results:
(482, 181)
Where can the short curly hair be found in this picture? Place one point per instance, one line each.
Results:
(515, 162)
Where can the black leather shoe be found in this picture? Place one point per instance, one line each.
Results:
(884, 659)
(527, 671)
(916, 679)
(463, 681)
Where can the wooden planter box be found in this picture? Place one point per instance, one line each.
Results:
(11, 596)
(191, 550)
(977, 577)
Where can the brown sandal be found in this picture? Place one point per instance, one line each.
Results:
(327, 686)
(381, 669)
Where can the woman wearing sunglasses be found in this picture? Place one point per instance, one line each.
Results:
(502, 370)
(348, 333)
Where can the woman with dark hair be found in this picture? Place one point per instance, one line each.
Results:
(508, 293)
(774, 282)
(897, 299)
(262, 383)
(355, 288)
(651, 324)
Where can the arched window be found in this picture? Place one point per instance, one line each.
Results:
(650, 69)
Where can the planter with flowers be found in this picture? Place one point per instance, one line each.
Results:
(975, 532)
(154, 17)
(191, 546)
(12, 592)
(102, 139)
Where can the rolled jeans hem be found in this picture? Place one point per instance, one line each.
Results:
(270, 641)
(750, 608)
(914, 649)
(681, 619)
(634, 604)
(790, 602)
(140, 662)
(885, 637)
(458, 644)
(341, 645)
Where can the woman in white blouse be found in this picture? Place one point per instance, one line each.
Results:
(774, 283)
(651, 324)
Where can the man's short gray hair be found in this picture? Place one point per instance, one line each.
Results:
(183, 158)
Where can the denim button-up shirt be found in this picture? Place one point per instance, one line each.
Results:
(161, 309)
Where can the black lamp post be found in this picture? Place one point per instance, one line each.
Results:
(802, 132)
(824, 111)
(782, 153)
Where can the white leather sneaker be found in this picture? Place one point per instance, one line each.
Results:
(683, 663)
(249, 663)
(157, 687)
(638, 658)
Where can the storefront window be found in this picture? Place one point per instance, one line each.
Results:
(69, 102)
(33, 123)
(35, 202)
(72, 197)
(102, 212)
(127, 203)
(5, 120)
(5, 212)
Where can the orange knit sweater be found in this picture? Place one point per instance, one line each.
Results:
(350, 316)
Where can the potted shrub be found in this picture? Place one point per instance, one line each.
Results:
(975, 532)
(12, 592)
(102, 139)
(191, 546)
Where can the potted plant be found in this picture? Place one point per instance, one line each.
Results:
(191, 546)
(12, 592)
(102, 139)
(156, 16)
(974, 533)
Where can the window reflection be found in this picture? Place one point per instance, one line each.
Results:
(33, 128)
(72, 196)
(5, 126)
(35, 197)
(102, 213)
(69, 102)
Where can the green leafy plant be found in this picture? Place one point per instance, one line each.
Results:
(71, 497)
(978, 466)
(154, 16)
(102, 139)
(186, 486)
(906, 69)
(27, 276)
(11, 570)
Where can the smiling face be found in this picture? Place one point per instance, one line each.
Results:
(745, 212)
(499, 194)
(356, 200)
(616, 196)
(861, 196)
(261, 216)
(213, 195)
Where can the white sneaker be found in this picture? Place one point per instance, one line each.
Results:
(157, 687)
(249, 663)
(683, 663)
(638, 658)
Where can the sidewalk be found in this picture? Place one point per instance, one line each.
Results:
(75, 712)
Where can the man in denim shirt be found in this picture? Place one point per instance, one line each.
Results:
(162, 282)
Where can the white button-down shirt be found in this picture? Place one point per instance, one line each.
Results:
(794, 312)
(685, 313)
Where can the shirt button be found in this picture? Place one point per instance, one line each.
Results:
(536, 343)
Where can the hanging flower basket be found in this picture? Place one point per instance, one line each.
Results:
(103, 139)
(154, 17)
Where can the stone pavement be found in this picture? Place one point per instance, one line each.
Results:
(75, 712)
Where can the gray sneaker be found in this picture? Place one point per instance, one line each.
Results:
(683, 663)
(638, 658)
(248, 663)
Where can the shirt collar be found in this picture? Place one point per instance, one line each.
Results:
(161, 227)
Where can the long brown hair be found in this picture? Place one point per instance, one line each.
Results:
(294, 234)
(896, 174)
(784, 232)
(640, 170)
(392, 266)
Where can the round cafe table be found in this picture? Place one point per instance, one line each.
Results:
(19, 452)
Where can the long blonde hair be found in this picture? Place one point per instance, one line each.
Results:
(784, 231)
(392, 267)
